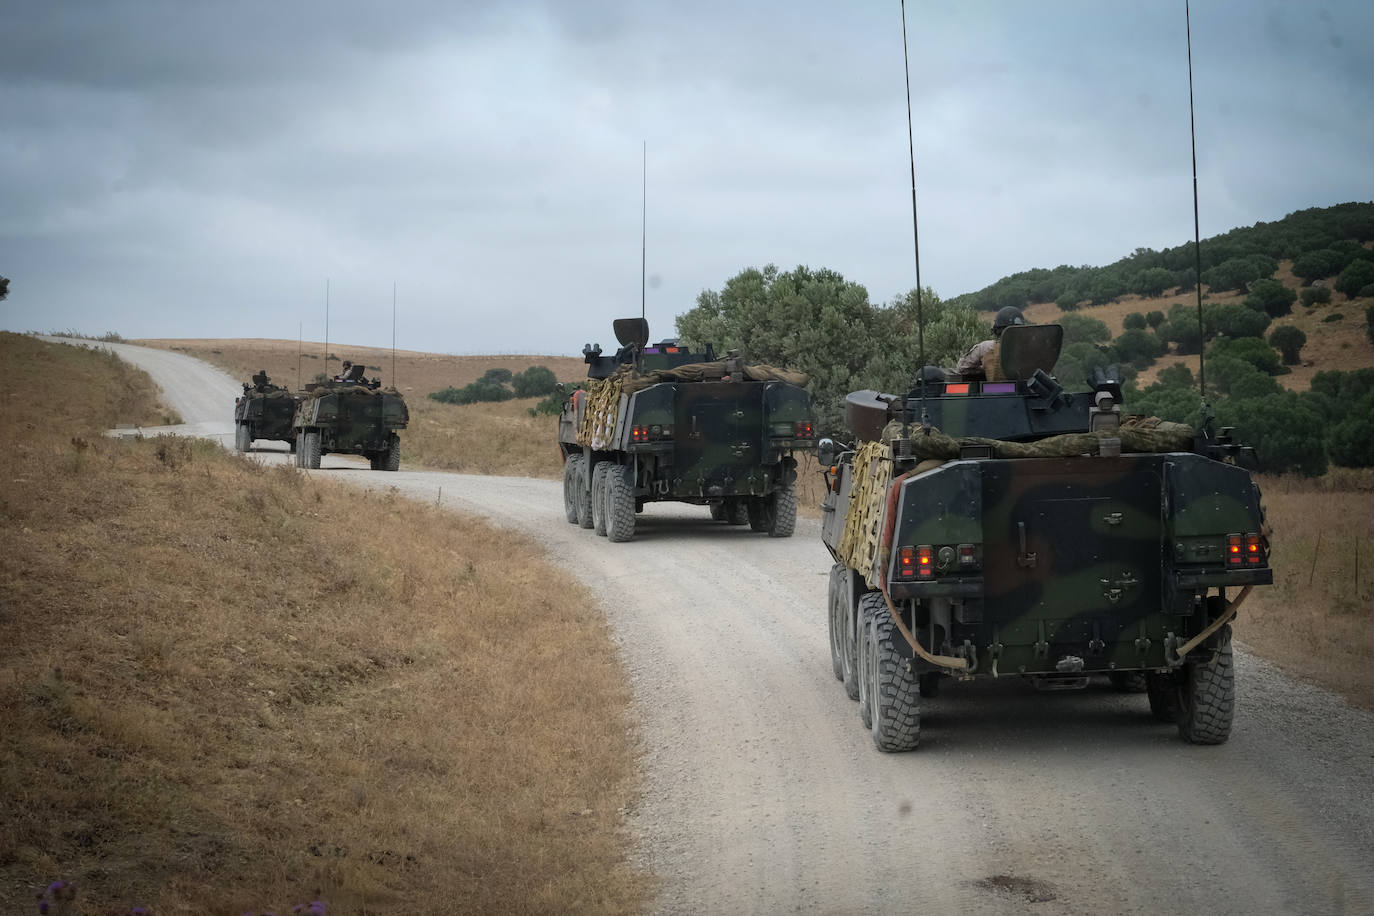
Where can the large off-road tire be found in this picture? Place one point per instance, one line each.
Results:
(620, 503)
(1207, 695)
(599, 507)
(835, 604)
(1127, 681)
(243, 436)
(868, 607)
(1163, 696)
(718, 512)
(893, 695)
(737, 511)
(571, 469)
(391, 458)
(296, 450)
(310, 449)
(583, 493)
(849, 646)
(775, 514)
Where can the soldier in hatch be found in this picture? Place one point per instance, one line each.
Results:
(972, 362)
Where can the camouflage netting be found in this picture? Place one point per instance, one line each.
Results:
(603, 397)
(1137, 434)
(274, 393)
(872, 473)
(350, 389)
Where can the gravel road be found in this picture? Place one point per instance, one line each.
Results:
(764, 795)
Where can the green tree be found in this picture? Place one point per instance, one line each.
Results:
(1314, 265)
(1239, 273)
(534, 382)
(1234, 321)
(1355, 277)
(1178, 405)
(1082, 328)
(1176, 376)
(1252, 350)
(1271, 297)
(1068, 302)
(4, 288)
(1077, 361)
(1153, 281)
(1369, 322)
(1137, 347)
(1105, 288)
(1289, 341)
(1351, 441)
(1135, 321)
(497, 376)
(1154, 319)
(1315, 294)
(1286, 434)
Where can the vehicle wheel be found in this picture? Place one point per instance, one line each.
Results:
(893, 697)
(849, 644)
(571, 468)
(620, 503)
(391, 458)
(243, 436)
(784, 511)
(310, 449)
(1127, 681)
(737, 511)
(835, 604)
(599, 473)
(1163, 696)
(296, 449)
(583, 494)
(1207, 696)
(717, 512)
(868, 607)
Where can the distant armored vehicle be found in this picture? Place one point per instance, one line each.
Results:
(350, 415)
(660, 423)
(1031, 531)
(264, 411)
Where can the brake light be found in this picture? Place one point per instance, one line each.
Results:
(1234, 550)
(906, 563)
(639, 434)
(1254, 555)
(804, 429)
(925, 567)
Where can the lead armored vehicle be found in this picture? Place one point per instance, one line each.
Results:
(264, 411)
(1023, 529)
(661, 423)
(350, 415)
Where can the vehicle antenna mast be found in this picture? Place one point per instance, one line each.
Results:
(300, 347)
(1197, 233)
(393, 334)
(326, 327)
(643, 228)
(916, 241)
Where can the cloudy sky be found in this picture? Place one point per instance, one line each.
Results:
(193, 169)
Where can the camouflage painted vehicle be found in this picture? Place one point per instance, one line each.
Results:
(1031, 531)
(264, 411)
(353, 416)
(660, 423)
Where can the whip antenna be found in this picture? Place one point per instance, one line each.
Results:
(393, 334)
(916, 241)
(300, 347)
(643, 227)
(1197, 233)
(326, 327)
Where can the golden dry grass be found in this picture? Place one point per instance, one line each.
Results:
(1317, 620)
(497, 438)
(229, 687)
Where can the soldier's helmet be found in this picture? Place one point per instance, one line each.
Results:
(1006, 318)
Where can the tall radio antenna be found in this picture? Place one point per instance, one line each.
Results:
(300, 348)
(393, 334)
(916, 241)
(643, 228)
(1197, 232)
(326, 327)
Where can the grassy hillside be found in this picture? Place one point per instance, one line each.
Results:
(212, 701)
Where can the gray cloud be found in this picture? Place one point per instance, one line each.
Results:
(180, 169)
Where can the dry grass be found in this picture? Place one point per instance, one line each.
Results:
(228, 687)
(81, 389)
(500, 439)
(1342, 344)
(1317, 620)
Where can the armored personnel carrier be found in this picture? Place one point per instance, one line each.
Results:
(350, 415)
(1023, 529)
(264, 411)
(661, 423)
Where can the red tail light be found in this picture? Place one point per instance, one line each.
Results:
(1254, 553)
(1234, 550)
(906, 563)
(925, 567)
(804, 429)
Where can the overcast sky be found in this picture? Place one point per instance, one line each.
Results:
(184, 169)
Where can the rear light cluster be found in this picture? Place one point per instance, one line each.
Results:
(650, 433)
(805, 430)
(802, 429)
(924, 561)
(1244, 550)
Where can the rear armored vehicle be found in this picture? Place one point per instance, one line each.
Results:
(264, 411)
(661, 423)
(984, 527)
(350, 415)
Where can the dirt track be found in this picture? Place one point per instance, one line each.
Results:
(763, 794)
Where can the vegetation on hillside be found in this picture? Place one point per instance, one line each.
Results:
(500, 384)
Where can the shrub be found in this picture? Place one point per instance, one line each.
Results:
(1289, 341)
(1082, 329)
(1355, 277)
(1138, 347)
(1235, 321)
(1135, 321)
(1252, 350)
(1351, 441)
(1369, 323)
(1286, 434)
(1176, 376)
(1154, 318)
(1315, 294)
(1314, 265)
(1334, 316)
(534, 382)
(1239, 273)
(1271, 297)
(1068, 302)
